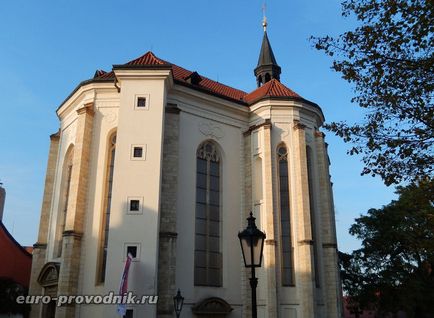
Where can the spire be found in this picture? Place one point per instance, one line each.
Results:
(267, 67)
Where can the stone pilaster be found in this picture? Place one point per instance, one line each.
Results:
(69, 269)
(268, 215)
(40, 247)
(329, 250)
(248, 200)
(168, 235)
(305, 266)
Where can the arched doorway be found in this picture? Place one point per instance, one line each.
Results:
(49, 278)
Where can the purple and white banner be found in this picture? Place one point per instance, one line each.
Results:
(123, 288)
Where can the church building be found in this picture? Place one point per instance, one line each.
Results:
(166, 164)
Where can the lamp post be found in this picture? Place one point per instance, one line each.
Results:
(252, 245)
(178, 302)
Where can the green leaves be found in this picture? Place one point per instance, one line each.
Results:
(393, 269)
(390, 60)
(9, 291)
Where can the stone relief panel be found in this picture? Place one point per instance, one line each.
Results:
(110, 115)
(211, 130)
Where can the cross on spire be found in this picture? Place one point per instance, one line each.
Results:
(264, 20)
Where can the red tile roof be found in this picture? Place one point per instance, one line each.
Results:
(182, 76)
(148, 58)
(103, 74)
(272, 88)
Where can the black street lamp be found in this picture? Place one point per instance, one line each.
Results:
(252, 245)
(178, 302)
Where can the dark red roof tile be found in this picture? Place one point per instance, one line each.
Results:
(110, 74)
(272, 88)
(180, 74)
(148, 58)
(99, 73)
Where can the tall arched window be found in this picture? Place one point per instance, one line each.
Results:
(207, 252)
(65, 186)
(105, 223)
(287, 253)
(312, 213)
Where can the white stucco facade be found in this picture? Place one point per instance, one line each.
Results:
(177, 118)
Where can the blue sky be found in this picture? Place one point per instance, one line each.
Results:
(48, 47)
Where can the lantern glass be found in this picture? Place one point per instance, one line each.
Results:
(245, 247)
(252, 244)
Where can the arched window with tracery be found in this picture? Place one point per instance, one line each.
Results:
(105, 220)
(287, 251)
(207, 250)
(65, 185)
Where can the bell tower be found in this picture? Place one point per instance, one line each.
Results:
(267, 67)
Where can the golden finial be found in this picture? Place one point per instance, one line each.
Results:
(264, 20)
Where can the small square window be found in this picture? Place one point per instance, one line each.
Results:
(141, 101)
(135, 205)
(138, 152)
(131, 249)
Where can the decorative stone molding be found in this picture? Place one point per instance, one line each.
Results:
(49, 274)
(211, 130)
(305, 242)
(319, 134)
(55, 136)
(212, 307)
(87, 108)
(270, 242)
(72, 233)
(266, 124)
(298, 125)
(40, 245)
